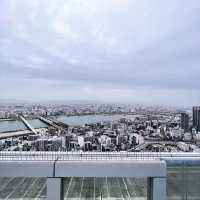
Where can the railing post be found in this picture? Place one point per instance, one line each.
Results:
(156, 188)
(54, 189)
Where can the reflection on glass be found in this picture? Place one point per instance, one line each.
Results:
(183, 182)
(193, 183)
(105, 188)
(175, 183)
(23, 188)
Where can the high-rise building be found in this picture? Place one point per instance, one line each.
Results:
(185, 121)
(196, 117)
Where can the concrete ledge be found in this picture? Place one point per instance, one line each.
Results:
(83, 168)
(110, 169)
(26, 168)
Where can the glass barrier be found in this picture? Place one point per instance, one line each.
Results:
(23, 188)
(183, 182)
(105, 188)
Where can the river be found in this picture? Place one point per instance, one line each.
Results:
(7, 126)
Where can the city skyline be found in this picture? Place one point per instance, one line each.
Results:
(99, 99)
(129, 52)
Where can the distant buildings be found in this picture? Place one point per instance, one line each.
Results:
(196, 117)
(147, 130)
(185, 121)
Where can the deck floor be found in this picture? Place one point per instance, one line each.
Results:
(83, 188)
(75, 188)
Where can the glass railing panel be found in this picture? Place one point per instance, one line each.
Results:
(94, 188)
(176, 183)
(183, 181)
(23, 188)
(193, 182)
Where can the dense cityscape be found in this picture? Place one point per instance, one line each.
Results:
(99, 100)
(99, 127)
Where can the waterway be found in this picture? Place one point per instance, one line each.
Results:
(36, 123)
(16, 125)
(8, 126)
(86, 119)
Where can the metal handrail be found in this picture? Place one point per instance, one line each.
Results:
(40, 155)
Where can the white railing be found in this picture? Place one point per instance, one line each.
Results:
(57, 165)
(41, 155)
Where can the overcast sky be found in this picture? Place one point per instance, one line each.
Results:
(131, 51)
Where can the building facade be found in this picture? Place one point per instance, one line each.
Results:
(185, 121)
(196, 117)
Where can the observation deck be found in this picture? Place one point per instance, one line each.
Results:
(57, 166)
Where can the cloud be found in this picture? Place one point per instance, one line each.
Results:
(110, 47)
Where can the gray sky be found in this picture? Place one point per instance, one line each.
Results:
(107, 50)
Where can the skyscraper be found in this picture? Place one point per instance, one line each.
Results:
(185, 121)
(196, 117)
